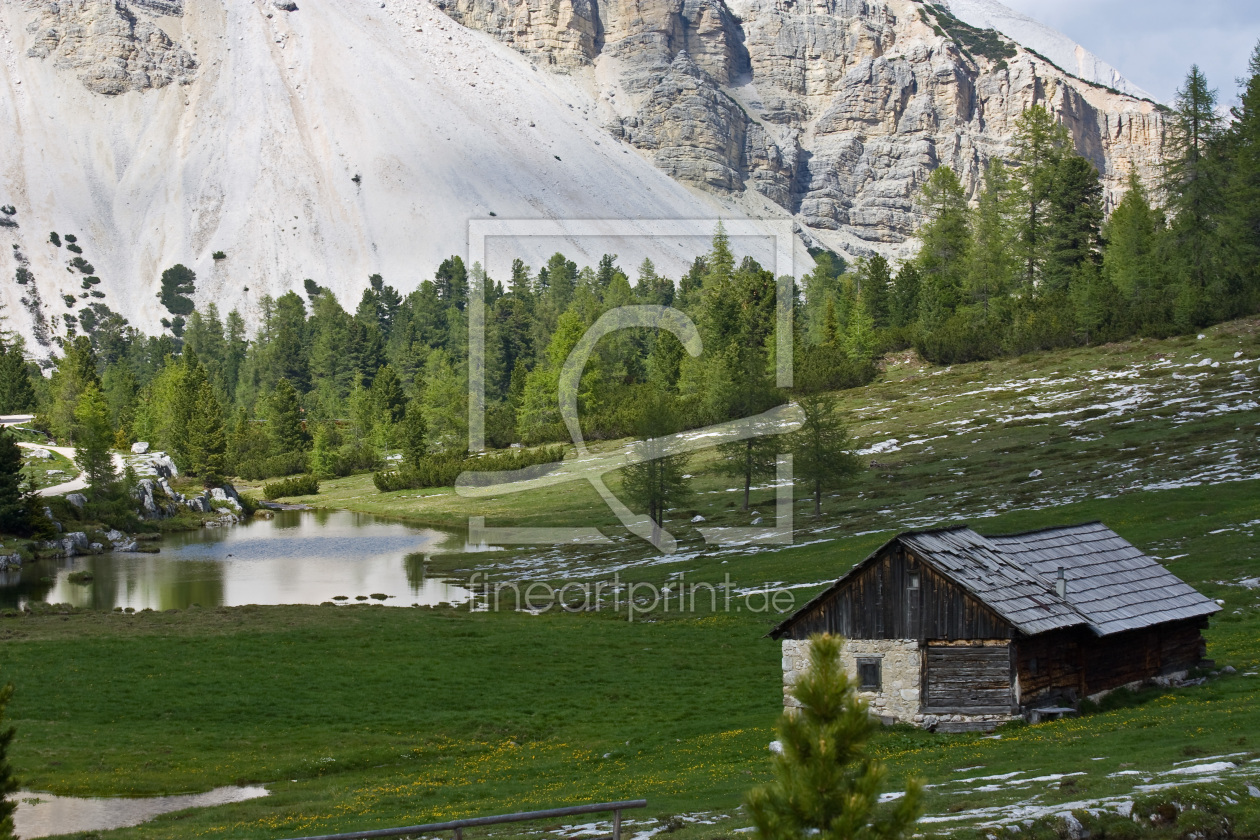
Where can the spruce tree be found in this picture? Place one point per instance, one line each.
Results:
(821, 449)
(413, 434)
(8, 784)
(1130, 262)
(1241, 221)
(991, 264)
(826, 784)
(14, 518)
(658, 483)
(1074, 216)
(903, 305)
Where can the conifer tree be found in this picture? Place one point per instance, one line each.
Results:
(1129, 261)
(207, 441)
(178, 284)
(1193, 189)
(1040, 143)
(946, 240)
(1241, 220)
(903, 306)
(94, 439)
(657, 484)
(413, 434)
(284, 421)
(1075, 216)
(991, 262)
(14, 518)
(826, 784)
(8, 784)
(821, 449)
(16, 393)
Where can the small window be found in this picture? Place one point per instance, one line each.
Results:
(1032, 665)
(868, 675)
(913, 581)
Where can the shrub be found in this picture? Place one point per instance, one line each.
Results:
(8, 210)
(74, 248)
(54, 239)
(219, 255)
(301, 485)
(24, 275)
(276, 466)
(70, 237)
(443, 470)
(69, 299)
(83, 265)
(5, 221)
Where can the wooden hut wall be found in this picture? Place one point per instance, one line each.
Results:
(1050, 664)
(1113, 661)
(878, 603)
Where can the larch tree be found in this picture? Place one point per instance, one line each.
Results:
(821, 449)
(94, 440)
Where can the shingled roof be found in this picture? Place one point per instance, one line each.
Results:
(1111, 586)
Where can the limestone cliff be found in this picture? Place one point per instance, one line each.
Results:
(109, 46)
(835, 110)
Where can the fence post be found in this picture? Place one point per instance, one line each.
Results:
(459, 833)
(617, 825)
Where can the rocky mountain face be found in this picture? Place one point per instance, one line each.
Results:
(111, 49)
(835, 110)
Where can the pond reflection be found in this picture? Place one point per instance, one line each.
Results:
(299, 557)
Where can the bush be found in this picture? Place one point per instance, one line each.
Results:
(443, 470)
(70, 237)
(277, 466)
(54, 239)
(219, 255)
(74, 248)
(8, 210)
(301, 485)
(83, 265)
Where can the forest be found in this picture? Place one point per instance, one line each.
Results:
(1028, 261)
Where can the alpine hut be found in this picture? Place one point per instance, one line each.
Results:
(953, 630)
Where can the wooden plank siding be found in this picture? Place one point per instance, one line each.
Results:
(1075, 663)
(967, 679)
(878, 603)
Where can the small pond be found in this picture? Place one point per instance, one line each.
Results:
(42, 814)
(299, 557)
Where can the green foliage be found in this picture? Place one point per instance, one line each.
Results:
(219, 255)
(826, 782)
(8, 784)
(94, 440)
(443, 470)
(658, 483)
(14, 506)
(983, 42)
(16, 392)
(302, 485)
(284, 421)
(207, 443)
(821, 449)
(54, 239)
(178, 285)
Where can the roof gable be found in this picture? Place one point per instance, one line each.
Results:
(1111, 585)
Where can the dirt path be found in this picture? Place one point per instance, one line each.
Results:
(74, 485)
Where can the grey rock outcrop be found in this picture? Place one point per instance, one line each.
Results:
(77, 499)
(10, 561)
(112, 50)
(835, 110)
(139, 447)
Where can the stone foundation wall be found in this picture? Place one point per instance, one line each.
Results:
(900, 667)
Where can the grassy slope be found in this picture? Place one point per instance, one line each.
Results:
(427, 714)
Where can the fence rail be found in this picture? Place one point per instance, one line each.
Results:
(458, 826)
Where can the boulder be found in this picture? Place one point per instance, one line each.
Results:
(127, 544)
(163, 465)
(139, 447)
(39, 454)
(10, 561)
(77, 499)
(285, 5)
(48, 514)
(75, 542)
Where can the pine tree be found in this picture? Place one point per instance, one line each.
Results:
(991, 265)
(14, 518)
(946, 240)
(1040, 143)
(903, 306)
(1130, 263)
(388, 394)
(658, 483)
(821, 449)
(413, 434)
(16, 393)
(874, 282)
(207, 442)
(826, 785)
(1192, 184)
(1074, 222)
(178, 284)
(94, 439)
(8, 784)
(1241, 221)
(284, 421)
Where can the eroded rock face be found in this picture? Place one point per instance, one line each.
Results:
(836, 110)
(111, 48)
